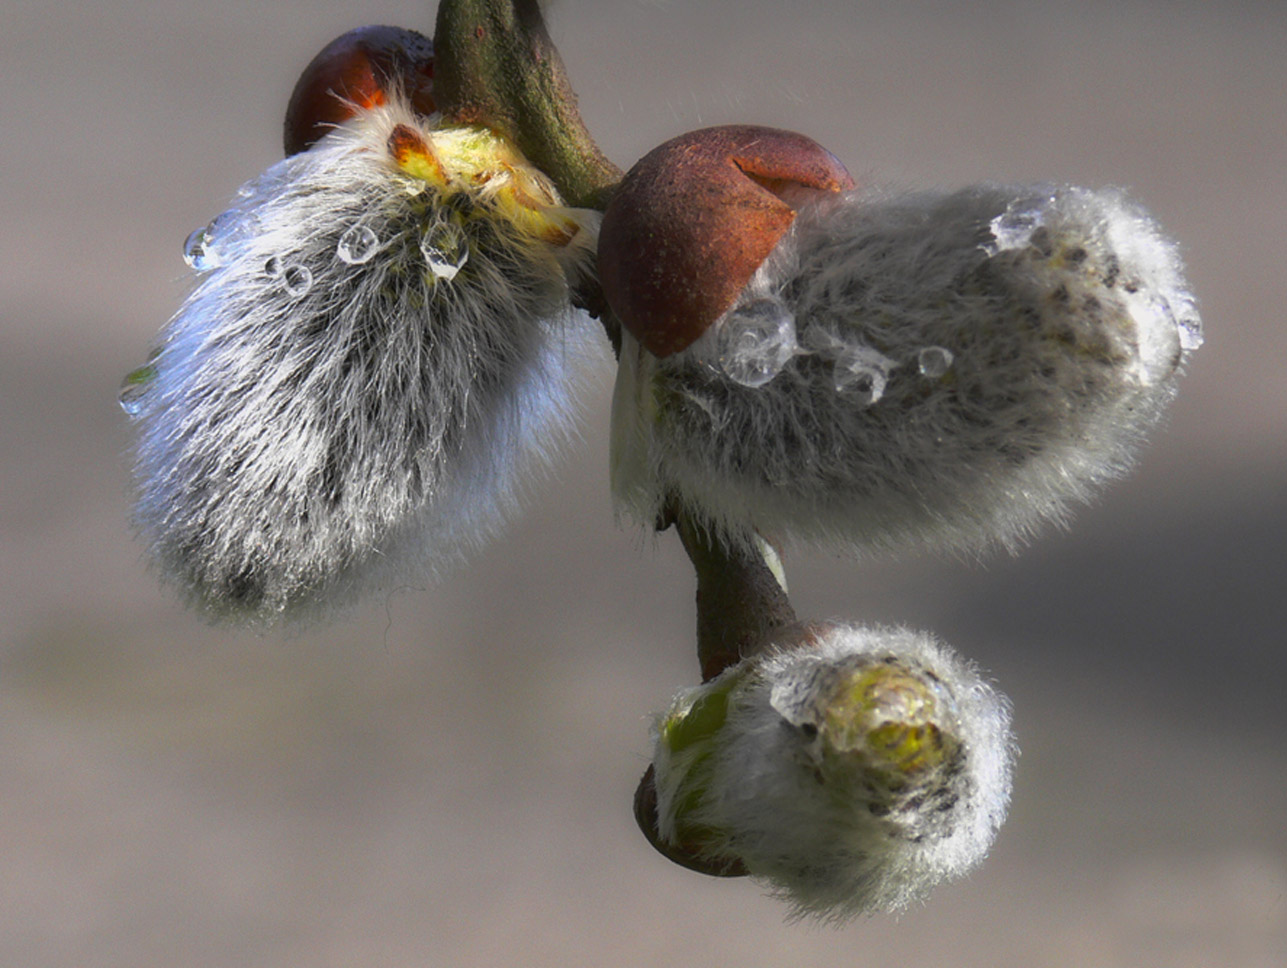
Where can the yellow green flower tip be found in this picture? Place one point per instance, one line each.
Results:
(471, 159)
(413, 154)
(892, 716)
(140, 376)
(912, 750)
(136, 386)
(699, 722)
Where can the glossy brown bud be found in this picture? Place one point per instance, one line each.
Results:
(358, 70)
(695, 218)
(685, 855)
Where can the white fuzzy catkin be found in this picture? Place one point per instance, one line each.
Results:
(839, 821)
(367, 376)
(939, 369)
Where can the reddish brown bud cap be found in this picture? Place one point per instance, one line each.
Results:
(358, 70)
(685, 855)
(695, 218)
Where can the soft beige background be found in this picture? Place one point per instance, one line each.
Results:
(444, 778)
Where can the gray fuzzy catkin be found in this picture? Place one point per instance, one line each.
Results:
(1000, 352)
(311, 425)
(825, 819)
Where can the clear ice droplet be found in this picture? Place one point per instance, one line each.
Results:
(273, 266)
(934, 361)
(199, 251)
(134, 389)
(297, 279)
(445, 250)
(756, 340)
(357, 245)
(862, 373)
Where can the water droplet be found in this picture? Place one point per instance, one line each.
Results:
(357, 245)
(823, 341)
(134, 389)
(273, 266)
(756, 340)
(1015, 227)
(445, 250)
(934, 361)
(206, 248)
(443, 266)
(866, 384)
(131, 399)
(199, 251)
(862, 374)
(1157, 334)
(297, 279)
(1190, 327)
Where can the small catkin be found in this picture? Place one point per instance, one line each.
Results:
(379, 356)
(947, 370)
(851, 770)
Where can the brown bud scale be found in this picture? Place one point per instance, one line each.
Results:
(694, 219)
(359, 69)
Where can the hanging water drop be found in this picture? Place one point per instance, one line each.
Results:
(934, 361)
(1015, 227)
(445, 250)
(756, 340)
(131, 399)
(134, 389)
(823, 341)
(443, 266)
(1190, 328)
(862, 373)
(357, 245)
(864, 383)
(1158, 334)
(199, 251)
(297, 279)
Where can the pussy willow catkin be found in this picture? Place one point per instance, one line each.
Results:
(938, 369)
(380, 353)
(850, 768)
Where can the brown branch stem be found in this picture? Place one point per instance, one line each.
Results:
(740, 602)
(497, 66)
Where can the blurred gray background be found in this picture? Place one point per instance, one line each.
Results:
(444, 777)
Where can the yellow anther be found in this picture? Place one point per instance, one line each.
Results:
(415, 157)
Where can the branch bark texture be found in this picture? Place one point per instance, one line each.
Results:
(497, 66)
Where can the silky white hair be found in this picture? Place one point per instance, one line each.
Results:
(946, 370)
(835, 827)
(326, 409)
